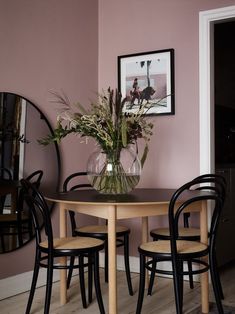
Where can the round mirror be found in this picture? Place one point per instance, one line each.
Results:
(22, 124)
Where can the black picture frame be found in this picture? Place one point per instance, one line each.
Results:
(147, 79)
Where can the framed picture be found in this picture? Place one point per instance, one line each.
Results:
(147, 80)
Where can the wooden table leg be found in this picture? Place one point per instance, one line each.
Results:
(63, 260)
(204, 276)
(144, 229)
(112, 260)
(145, 238)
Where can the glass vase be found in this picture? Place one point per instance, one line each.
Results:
(116, 172)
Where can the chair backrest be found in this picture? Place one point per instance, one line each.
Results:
(210, 189)
(219, 181)
(218, 184)
(213, 182)
(5, 173)
(213, 176)
(73, 182)
(35, 178)
(40, 212)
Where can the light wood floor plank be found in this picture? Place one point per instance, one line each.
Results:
(161, 302)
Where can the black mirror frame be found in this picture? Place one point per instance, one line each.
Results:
(42, 115)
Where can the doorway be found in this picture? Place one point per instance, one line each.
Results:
(224, 108)
(208, 20)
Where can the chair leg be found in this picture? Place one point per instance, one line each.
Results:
(215, 284)
(177, 286)
(152, 276)
(97, 283)
(190, 275)
(141, 284)
(70, 273)
(90, 276)
(181, 282)
(34, 282)
(127, 263)
(106, 261)
(48, 285)
(82, 280)
(221, 293)
(218, 279)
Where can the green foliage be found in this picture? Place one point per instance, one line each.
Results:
(104, 121)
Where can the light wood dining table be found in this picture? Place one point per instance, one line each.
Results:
(140, 203)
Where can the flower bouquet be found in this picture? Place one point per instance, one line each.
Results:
(112, 170)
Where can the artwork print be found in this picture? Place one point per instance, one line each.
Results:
(147, 79)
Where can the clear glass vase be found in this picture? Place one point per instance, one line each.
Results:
(117, 172)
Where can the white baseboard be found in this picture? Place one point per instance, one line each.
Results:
(21, 283)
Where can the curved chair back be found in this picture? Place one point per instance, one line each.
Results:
(39, 210)
(216, 183)
(219, 181)
(35, 178)
(22, 208)
(71, 183)
(211, 189)
(20, 222)
(5, 173)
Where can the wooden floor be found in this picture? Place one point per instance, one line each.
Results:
(161, 302)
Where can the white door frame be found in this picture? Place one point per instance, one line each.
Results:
(207, 19)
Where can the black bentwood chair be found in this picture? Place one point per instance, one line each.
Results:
(18, 223)
(98, 231)
(5, 174)
(179, 251)
(35, 178)
(186, 232)
(49, 250)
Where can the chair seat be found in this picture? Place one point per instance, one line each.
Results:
(183, 247)
(73, 243)
(102, 229)
(183, 232)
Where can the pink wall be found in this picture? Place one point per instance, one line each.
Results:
(53, 44)
(48, 45)
(132, 26)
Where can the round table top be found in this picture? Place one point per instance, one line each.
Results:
(140, 195)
